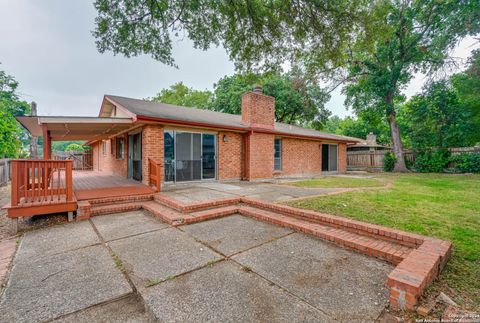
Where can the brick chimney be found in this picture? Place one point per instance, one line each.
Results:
(371, 139)
(258, 110)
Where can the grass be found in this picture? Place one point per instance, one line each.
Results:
(343, 182)
(438, 205)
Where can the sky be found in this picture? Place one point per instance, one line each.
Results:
(48, 47)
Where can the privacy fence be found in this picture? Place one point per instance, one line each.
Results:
(81, 160)
(5, 171)
(374, 160)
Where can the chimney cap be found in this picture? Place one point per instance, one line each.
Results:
(257, 88)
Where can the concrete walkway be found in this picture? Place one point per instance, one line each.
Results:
(267, 191)
(132, 267)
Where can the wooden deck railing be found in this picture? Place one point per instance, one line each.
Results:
(155, 174)
(41, 182)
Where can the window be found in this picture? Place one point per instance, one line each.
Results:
(104, 148)
(120, 148)
(277, 160)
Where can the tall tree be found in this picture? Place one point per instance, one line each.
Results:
(467, 87)
(180, 94)
(11, 134)
(418, 36)
(436, 118)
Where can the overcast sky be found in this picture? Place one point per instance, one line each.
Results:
(48, 47)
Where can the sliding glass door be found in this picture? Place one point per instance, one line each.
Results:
(329, 158)
(189, 156)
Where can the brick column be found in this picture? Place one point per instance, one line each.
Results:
(152, 147)
(342, 158)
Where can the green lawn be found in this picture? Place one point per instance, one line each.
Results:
(344, 182)
(443, 206)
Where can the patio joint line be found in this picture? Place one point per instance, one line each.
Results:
(112, 254)
(272, 283)
(138, 234)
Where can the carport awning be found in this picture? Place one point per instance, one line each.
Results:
(76, 128)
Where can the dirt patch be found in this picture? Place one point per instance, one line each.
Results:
(25, 224)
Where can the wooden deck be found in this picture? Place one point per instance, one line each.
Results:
(89, 185)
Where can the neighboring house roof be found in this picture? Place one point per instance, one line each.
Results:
(167, 112)
(364, 143)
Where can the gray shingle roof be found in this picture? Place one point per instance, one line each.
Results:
(178, 113)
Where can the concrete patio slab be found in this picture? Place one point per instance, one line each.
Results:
(159, 255)
(128, 309)
(44, 288)
(121, 225)
(347, 286)
(57, 239)
(235, 233)
(272, 192)
(224, 292)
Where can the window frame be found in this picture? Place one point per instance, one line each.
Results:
(104, 142)
(120, 148)
(279, 168)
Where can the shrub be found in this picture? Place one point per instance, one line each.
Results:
(466, 162)
(389, 161)
(74, 147)
(432, 161)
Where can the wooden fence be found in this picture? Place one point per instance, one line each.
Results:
(5, 172)
(373, 160)
(82, 160)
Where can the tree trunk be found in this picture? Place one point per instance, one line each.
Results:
(400, 165)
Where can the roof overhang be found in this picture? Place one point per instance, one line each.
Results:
(76, 128)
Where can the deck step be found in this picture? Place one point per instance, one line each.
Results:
(387, 250)
(121, 200)
(114, 208)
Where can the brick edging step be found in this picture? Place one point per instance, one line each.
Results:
(418, 259)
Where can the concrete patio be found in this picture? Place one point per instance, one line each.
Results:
(132, 267)
(271, 191)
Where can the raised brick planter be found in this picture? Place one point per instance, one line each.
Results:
(418, 259)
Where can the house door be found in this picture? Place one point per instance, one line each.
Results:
(329, 158)
(189, 156)
(136, 162)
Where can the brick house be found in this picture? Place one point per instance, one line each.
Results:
(195, 144)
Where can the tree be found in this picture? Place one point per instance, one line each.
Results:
(74, 147)
(467, 87)
(417, 38)
(62, 145)
(254, 32)
(366, 122)
(180, 94)
(11, 134)
(435, 118)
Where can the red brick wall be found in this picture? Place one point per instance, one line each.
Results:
(258, 110)
(342, 158)
(108, 163)
(260, 155)
(301, 157)
(152, 147)
(230, 155)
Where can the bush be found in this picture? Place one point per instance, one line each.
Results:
(74, 147)
(466, 162)
(432, 161)
(389, 161)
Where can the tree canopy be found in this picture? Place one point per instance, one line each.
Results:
(180, 94)
(11, 133)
